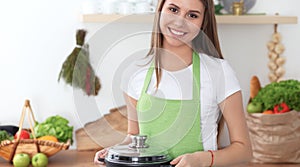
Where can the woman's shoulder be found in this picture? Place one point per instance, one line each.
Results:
(133, 77)
(221, 75)
(213, 63)
(216, 68)
(211, 59)
(136, 69)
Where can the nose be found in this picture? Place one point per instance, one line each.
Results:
(179, 21)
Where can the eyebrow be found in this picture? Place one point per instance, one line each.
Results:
(195, 11)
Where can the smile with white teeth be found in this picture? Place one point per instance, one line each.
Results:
(175, 32)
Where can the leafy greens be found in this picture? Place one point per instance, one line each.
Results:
(4, 135)
(55, 126)
(287, 91)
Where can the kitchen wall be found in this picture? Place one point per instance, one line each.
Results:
(37, 36)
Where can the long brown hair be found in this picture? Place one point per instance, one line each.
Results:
(209, 29)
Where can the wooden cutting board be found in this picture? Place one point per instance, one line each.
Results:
(106, 131)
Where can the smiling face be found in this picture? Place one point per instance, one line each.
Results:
(181, 21)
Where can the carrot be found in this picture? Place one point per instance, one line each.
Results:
(268, 112)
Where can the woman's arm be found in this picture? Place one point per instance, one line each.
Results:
(240, 149)
(133, 126)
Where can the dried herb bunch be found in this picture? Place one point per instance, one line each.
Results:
(77, 70)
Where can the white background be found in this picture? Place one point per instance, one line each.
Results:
(37, 36)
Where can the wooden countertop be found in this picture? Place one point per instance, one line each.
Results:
(66, 158)
(85, 159)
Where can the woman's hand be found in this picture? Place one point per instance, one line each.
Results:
(192, 160)
(100, 155)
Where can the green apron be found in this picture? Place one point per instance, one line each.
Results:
(172, 125)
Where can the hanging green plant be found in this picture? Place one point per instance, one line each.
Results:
(77, 70)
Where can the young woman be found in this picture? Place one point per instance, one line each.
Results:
(179, 100)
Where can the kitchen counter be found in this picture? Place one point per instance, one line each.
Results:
(85, 159)
(65, 158)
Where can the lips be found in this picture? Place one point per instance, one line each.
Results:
(177, 33)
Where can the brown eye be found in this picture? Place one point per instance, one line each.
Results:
(192, 15)
(173, 10)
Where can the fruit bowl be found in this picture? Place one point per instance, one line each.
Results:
(30, 146)
(8, 148)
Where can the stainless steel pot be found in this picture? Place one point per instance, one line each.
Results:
(138, 153)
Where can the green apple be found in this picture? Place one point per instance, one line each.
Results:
(39, 160)
(21, 160)
(254, 107)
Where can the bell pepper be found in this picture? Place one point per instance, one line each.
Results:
(281, 108)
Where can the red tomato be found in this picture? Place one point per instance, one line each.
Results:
(24, 134)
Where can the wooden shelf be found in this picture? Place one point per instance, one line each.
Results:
(256, 19)
(221, 19)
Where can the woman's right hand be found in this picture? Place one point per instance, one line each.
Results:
(100, 155)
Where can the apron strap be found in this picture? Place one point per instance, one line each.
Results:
(148, 78)
(196, 77)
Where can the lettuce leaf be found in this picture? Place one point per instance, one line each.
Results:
(55, 126)
(287, 91)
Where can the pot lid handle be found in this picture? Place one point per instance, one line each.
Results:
(138, 141)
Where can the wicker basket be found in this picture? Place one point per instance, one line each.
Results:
(30, 146)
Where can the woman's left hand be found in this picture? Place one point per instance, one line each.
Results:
(188, 160)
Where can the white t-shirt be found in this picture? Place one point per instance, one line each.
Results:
(217, 82)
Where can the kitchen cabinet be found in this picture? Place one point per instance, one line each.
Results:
(221, 19)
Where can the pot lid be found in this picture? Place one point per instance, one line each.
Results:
(138, 152)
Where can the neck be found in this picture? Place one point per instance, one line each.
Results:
(176, 58)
